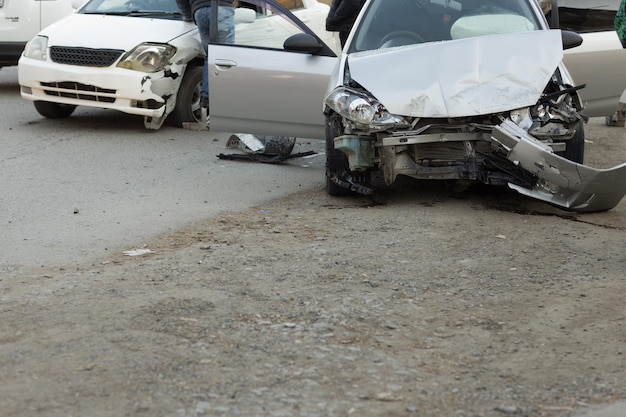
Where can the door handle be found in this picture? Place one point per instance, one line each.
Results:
(224, 64)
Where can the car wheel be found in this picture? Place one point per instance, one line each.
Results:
(54, 110)
(575, 147)
(340, 180)
(188, 99)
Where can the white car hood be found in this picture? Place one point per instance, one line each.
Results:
(465, 77)
(113, 32)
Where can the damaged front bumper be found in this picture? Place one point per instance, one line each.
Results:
(132, 92)
(526, 164)
(560, 182)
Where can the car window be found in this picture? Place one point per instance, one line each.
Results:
(263, 25)
(291, 4)
(402, 22)
(586, 20)
(124, 6)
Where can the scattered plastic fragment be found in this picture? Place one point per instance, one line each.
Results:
(137, 252)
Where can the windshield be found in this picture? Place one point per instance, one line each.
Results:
(404, 22)
(130, 7)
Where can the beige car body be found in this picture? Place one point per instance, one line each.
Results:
(593, 20)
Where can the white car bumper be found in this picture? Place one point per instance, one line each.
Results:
(128, 91)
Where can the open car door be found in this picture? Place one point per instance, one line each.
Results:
(272, 79)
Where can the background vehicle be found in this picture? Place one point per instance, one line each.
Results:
(600, 58)
(461, 91)
(20, 20)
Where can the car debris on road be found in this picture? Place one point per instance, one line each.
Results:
(262, 148)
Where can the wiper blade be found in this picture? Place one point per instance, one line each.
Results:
(124, 13)
(137, 13)
(152, 13)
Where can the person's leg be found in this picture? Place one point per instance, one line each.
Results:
(226, 24)
(226, 28)
(202, 18)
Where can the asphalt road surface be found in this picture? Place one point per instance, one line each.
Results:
(75, 189)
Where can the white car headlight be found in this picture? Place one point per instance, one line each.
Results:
(148, 57)
(362, 109)
(37, 48)
(352, 104)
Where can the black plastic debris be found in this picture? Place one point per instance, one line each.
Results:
(262, 148)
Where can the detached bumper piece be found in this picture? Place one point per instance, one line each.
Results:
(267, 149)
(560, 182)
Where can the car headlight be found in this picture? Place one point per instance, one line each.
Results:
(37, 48)
(362, 109)
(147, 57)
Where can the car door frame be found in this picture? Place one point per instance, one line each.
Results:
(285, 96)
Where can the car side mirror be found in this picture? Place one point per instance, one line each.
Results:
(302, 42)
(77, 4)
(570, 39)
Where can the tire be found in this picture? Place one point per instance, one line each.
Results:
(336, 161)
(575, 147)
(337, 165)
(187, 108)
(54, 110)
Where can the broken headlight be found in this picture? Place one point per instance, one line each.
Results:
(148, 57)
(362, 109)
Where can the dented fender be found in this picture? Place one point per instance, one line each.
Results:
(187, 48)
(561, 182)
(167, 84)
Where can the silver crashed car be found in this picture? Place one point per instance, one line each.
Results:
(456, 90)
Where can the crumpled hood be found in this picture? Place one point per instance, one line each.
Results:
(113, 32)
(465, 77)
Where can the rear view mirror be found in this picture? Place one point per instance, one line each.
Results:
(77, 4)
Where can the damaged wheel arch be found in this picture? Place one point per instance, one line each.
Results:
(188, 105)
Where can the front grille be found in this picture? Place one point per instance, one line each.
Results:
(445, 151)
(79, 91)
(451, 151)
(84, 56)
